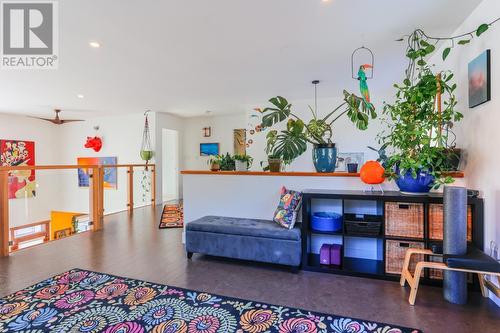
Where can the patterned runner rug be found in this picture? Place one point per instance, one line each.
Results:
(85, 301)
(172, 216)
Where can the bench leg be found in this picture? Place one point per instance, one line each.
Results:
(406, 267)
(416, 281)
(189, 255)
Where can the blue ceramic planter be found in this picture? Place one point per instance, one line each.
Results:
(325, 157)
(420, 185)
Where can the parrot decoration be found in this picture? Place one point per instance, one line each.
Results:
(363, 86)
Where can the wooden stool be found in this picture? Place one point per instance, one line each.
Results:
(475, 261)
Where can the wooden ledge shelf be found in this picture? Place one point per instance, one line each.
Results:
(457, 174)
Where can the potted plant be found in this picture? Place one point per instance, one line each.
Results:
(292, 142)
(419, 124)
(227, 162)
(243, 162)
(214, 162)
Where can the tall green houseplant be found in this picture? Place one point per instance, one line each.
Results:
(421, 118)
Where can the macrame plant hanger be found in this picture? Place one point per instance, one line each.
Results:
(146, 150)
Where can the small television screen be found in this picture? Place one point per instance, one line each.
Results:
(209, 149)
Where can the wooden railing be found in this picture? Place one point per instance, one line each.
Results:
(96, 193)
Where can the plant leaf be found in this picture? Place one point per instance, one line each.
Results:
(446, 52)
(482, 29)
(464, 41)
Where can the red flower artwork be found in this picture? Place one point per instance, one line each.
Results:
(17, 153)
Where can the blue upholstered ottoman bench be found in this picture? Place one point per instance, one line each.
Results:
(248, 239)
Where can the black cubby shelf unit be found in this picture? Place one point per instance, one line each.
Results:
(360, 261)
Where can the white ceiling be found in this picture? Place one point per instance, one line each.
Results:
(189, 56)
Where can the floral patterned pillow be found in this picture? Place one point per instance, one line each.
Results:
(286, 213)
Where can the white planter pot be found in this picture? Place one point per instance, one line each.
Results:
(241, 166)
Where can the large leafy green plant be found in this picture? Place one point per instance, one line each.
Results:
(290, 143)
(417, 134)
(418, 129)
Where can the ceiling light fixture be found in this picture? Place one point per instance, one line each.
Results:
(95, 45)
(81, 96)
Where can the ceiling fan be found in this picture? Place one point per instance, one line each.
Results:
(57, 120)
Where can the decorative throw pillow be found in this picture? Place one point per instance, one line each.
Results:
(286, 213)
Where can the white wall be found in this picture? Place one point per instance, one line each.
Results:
(170, 164)
(63, 144)
(345, 134)
(478, 133)
(222, 132)
(47, 150)
(122, 137)
(167, 121)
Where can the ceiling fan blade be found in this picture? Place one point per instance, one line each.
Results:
(46, 119)
(70, 120)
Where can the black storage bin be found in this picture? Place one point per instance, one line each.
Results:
(363, 225)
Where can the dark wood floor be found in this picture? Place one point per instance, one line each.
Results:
(136, 248)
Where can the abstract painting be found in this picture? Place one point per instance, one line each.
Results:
(110, 174)
(209, 149)
(480, 80)
(16, 153)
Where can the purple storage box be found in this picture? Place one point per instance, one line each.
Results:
(324, 254)
(336, 254)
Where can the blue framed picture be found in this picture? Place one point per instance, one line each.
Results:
(480, 80)
(209, 149)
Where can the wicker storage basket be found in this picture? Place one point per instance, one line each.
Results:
(395, 254)
(436, 222)
(404, 219)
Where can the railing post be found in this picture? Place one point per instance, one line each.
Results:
(96, 198)
(101, 192)
(153, 186)
(130, 202)
(4, 213)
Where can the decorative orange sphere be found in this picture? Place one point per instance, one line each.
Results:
(372, 173)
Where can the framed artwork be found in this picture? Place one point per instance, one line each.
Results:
(15, 153)
(480, 79)
(345, 158)
(209, 149)
(110, 174)
(239, 141)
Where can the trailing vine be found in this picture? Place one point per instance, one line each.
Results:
(420, 45)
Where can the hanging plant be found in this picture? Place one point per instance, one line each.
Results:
(146, 150)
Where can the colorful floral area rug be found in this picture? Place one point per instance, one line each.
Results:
(172, 216)
(84, 301)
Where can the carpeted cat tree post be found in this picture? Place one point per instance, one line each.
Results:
(455, 241)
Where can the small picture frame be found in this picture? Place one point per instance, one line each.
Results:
(209, 149)
(480, 79)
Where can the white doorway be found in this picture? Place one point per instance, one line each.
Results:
(170, 162)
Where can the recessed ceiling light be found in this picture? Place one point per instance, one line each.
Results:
(95, 45)
(80, 96)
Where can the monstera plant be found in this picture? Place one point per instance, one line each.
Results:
(291, 142)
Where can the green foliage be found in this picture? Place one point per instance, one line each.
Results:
(482, 29)
(290, 143)
(417, 134)
(244, 158)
